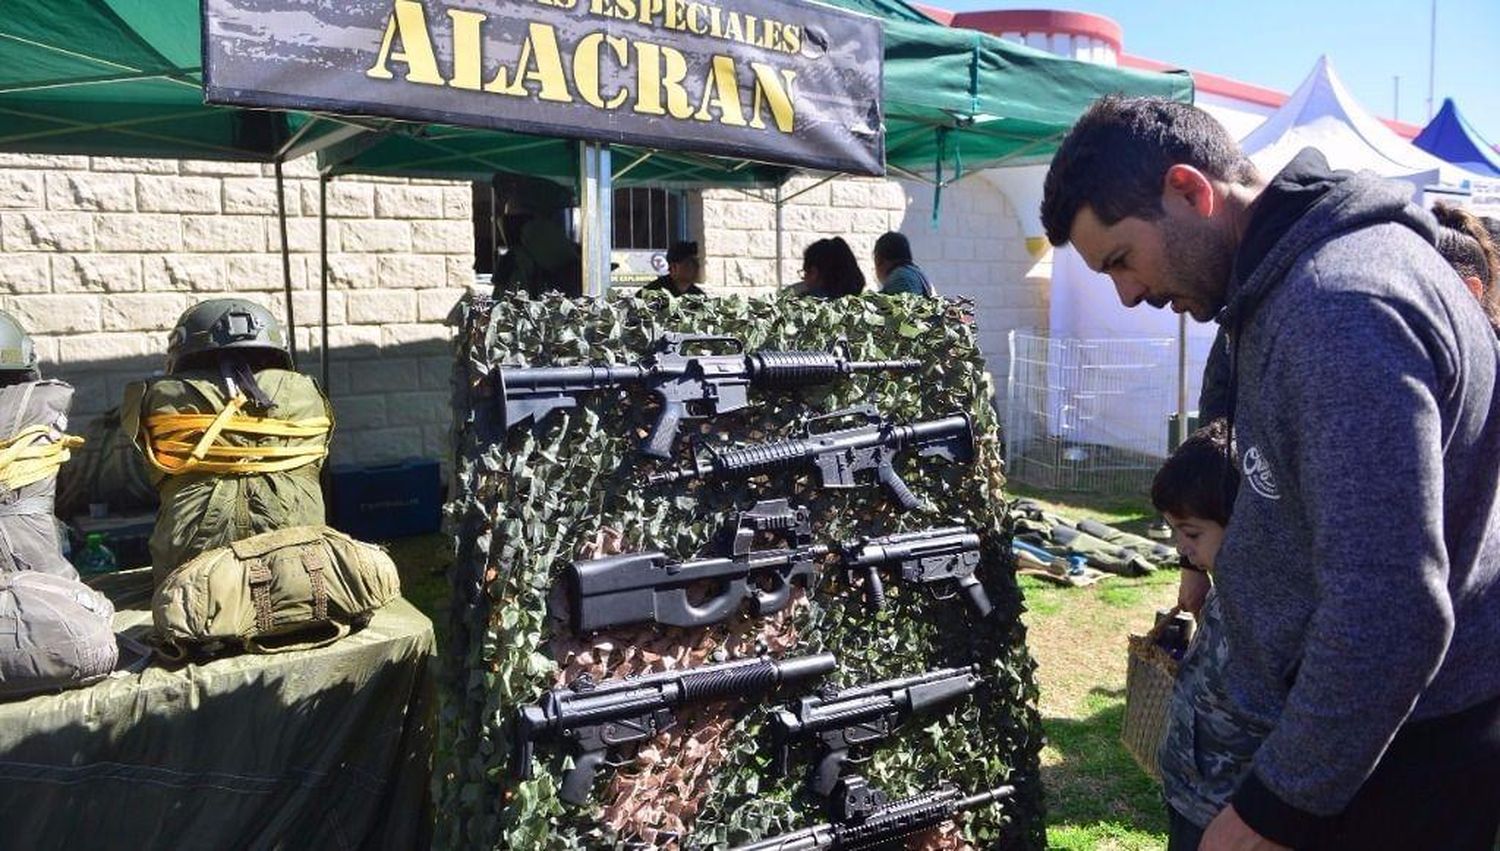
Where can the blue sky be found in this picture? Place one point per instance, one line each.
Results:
(1274, 43)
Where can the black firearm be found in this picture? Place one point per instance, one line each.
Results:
(860, 717)
(596, 718)
(688, 386)
(651, 587)
(867, 820)
(931, 558)
(840, 455)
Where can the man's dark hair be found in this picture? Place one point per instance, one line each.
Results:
(893, 246)
(1200, 479)
(1116, 157)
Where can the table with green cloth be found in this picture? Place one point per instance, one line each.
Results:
(323, 749)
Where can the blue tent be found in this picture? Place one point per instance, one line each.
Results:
(1452, 139)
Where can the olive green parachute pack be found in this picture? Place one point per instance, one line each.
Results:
(33, 419)
(291, 589)
(55, 633)
(1106, 548)
(223, 475)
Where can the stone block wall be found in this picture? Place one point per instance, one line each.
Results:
(975, 248)
(98, 257)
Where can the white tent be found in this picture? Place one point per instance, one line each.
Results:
(1323, 115)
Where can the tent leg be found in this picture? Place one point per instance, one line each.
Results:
(780, 221)
(1182, 382)
(596, 196)
(323, 277)
(286, 264)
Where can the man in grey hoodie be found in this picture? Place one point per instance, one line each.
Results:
(1360, 575)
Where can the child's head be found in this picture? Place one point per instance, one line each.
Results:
(1193, 490)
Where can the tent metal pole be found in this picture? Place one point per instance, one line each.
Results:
(286, 264)
(780, 209)
(323, 178)
(596, 197)
(1182, 383)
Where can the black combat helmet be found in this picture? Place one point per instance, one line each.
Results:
(226, 324)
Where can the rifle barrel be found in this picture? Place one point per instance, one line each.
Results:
(903, 365)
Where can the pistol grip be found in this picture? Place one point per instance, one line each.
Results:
(874, 589)
(979, 601)
(898, 489)
(658, 444)
(578, 781)
(826, 775)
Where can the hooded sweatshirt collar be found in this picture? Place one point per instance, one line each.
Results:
(1305, 203)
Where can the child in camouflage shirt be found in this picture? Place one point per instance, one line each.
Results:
(1208, 744)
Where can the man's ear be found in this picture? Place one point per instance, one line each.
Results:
(1475, 286)
(1187, 185)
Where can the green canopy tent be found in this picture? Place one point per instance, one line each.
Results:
(958, 100)
(955, 101)
(124, 78)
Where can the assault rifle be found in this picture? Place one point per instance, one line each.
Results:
(865, 819)
(596, 718)
(689, 387)
(840, 455)
(861, 716)
(650, 587)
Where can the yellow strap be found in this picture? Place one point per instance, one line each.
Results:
(184, 443)
(33, 455)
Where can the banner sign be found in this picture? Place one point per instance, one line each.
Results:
(778, 81)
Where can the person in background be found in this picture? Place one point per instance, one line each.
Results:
(684, 270)
(1360, 575)
(894, 267)
(1208, 745)
(535, 254)
(1465, 243)
(830, 270)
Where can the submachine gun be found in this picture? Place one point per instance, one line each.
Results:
(650, 587)
(688, 386)
(596, 718)
(860, 717)
(864, 818)
(840, 455)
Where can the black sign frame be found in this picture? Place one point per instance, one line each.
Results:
(777, 81)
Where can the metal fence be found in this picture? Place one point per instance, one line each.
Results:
(1089, 416)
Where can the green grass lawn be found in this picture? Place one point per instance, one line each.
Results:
(1097, 797)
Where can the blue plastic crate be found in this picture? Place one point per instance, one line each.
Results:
(388, 501)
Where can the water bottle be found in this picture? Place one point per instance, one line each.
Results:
(96, 558)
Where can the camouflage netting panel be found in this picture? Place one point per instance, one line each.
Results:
(532, 502)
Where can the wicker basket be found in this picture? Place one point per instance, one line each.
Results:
(1150, 674)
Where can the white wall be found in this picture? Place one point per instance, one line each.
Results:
(976, 248)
